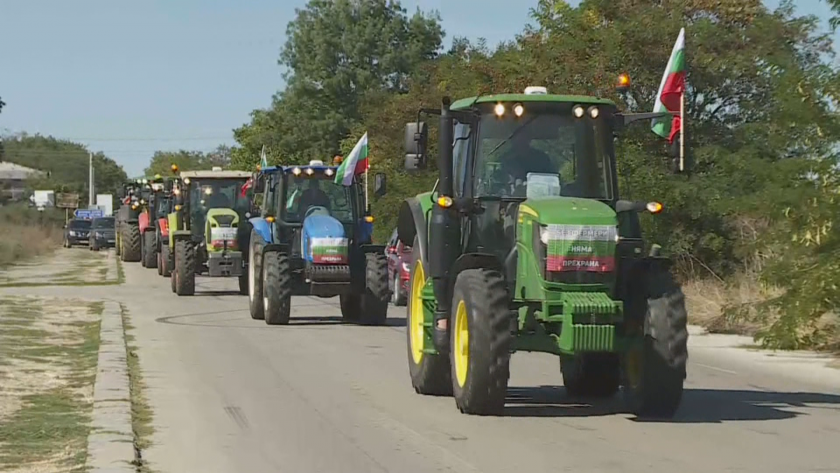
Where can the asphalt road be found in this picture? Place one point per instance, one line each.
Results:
(231, 394)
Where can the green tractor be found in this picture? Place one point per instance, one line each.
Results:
(208, 229)
(524, 245)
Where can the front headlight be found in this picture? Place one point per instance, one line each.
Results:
(72, 233)
(406, 267)
(544, 235)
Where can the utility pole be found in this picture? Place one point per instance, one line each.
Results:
(91, 194)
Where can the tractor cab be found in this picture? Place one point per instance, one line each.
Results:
(208, 226)
(323, 230)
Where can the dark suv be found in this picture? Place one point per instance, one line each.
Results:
(76, 232)
(102, 234)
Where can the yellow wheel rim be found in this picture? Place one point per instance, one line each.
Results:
(461, 348)
(416, 313)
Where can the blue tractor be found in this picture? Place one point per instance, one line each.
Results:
(312, 236)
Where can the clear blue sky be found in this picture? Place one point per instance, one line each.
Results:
(129, 78)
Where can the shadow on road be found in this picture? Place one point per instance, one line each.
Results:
(698, 406)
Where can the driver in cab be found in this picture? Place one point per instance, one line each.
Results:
(313, 196)
(520, 159)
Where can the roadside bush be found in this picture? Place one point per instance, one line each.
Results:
(25, 232)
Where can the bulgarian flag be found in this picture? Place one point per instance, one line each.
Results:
(671, 90)
(357, 162)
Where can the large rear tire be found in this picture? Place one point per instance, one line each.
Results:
(184, 268)
(277, 288)
(655, 370)
(255, 283)
(375, 301)
(118, 244)
(430, 373)
(149, 250)
(131, 248)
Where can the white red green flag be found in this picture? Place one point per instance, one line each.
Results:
(670, 92)
(356, 163)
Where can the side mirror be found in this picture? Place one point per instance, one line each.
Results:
(380, 186)
(416, 139)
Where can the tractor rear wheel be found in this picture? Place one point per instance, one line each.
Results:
(591, 374)
(131, 248)
(255, 283)
(430, 373)
(118, 244)
(375, 300)
(167, 262)
(184, 268)
(481, 339)
(149, 251)
(655, 370)
(277, 288)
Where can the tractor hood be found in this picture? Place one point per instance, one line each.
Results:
(324, 240)
(575, 235)
(569, 211)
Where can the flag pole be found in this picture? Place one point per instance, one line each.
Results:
(367, 201)
(682, 130)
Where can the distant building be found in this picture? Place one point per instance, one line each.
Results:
(13, 180)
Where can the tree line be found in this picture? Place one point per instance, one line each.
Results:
(761, 112)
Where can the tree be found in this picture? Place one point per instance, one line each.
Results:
(2, 104)
(221, 156)
(162, 161)
(835, 6)
(65, 161)
(337, 52)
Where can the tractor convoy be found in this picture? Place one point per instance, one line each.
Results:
(523, 244)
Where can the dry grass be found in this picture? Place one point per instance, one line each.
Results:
(712, 304)
(19, 242)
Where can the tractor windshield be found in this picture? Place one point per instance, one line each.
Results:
(545, 145)
(206, 194)
(306, 193)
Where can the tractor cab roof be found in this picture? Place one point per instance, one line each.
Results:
(314, 168)
(216, 174)
(531, 94)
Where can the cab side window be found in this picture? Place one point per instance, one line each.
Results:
(460, 153)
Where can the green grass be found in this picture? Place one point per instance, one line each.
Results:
(57, 420)
(48, 424)
(141, 412)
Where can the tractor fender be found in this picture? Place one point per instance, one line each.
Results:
(278, 247)
(144, 221)
(371, 248)
(263, 228)
(163, 225)
(181, 234)
(472, 261)
(411, 222)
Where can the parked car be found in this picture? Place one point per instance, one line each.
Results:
(399, 268)
(102, 234)
(76, 232)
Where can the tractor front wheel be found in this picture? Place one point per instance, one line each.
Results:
(655, 369)
(149, 252)
(184, 268)
(166, 260)
(591, 374)
(375, 300)
(255, 283)
(480, 342)
(277, 288)
(430, 372)
(131, 248)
